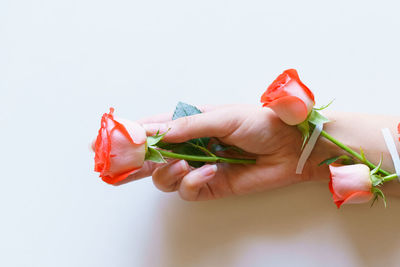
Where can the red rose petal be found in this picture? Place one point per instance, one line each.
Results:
(118, 178)
(336, 199)
(276, 89)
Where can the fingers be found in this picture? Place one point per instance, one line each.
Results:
(191, 185)
(165, 117)
(218, 123)
(167, 178)
(194, 185)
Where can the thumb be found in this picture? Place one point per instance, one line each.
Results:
(218, 123)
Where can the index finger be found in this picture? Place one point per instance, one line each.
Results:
(165, 117)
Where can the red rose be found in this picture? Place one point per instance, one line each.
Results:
(350, 184)
(289, 98)
(120, 148)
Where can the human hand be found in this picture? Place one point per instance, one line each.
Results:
(257, 131)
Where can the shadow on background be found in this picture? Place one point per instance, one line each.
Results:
(189, 233)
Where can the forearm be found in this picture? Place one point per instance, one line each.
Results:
(357, 131)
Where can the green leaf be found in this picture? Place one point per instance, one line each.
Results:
(153, 155)
(317, 118)
(205, 150)
(167, 146)
(324, 107)
(220, 148)
(329, 161)
(346, 160)
(184, 110)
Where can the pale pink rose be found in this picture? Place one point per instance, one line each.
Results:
(120, 148)
(350, 184)
(289, 98)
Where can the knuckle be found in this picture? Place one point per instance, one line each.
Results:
(182, 124)
(185, 121)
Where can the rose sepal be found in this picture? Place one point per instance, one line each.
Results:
(314, 118)
(152, 154)
(378, 193)
(153, 140)
(377, 180)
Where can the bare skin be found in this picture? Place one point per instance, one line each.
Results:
(274, 145)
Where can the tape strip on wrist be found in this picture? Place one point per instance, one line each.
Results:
(393, 150)
(308, 148)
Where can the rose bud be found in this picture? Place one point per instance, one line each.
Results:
(120, 148)
(289, 98)
(350, 184)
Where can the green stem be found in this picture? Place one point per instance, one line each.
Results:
(389, 178)
(169, 154)
(202, 149)
(352, 152)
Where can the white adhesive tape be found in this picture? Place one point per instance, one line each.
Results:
(308, 148)
(392, 149)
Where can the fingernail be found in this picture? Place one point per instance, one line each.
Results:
(153, 128)
(208, 170)
(180, 167)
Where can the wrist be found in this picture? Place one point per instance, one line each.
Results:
(341, 128)
(324, 149)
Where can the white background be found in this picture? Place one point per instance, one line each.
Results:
(64, 63)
